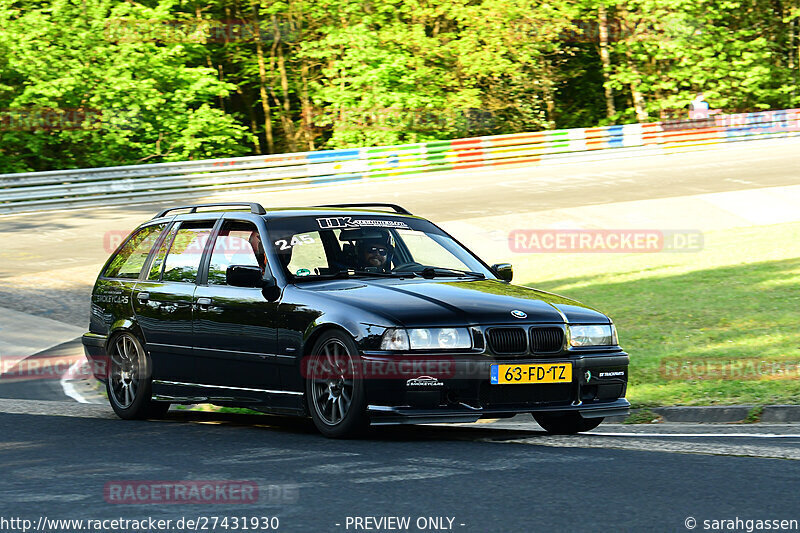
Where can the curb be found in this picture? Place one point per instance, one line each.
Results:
(721, 414)
(781, 413)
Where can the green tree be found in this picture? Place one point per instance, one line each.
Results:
(103, 60)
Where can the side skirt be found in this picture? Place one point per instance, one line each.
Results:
(272, 401)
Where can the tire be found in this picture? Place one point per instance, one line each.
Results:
(566, 423)
(129, 380)
(335, 395)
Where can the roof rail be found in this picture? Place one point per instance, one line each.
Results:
(256, 209)
(397, 208)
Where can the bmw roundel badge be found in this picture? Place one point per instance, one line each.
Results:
(516, 313)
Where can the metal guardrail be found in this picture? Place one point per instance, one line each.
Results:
(94, 187)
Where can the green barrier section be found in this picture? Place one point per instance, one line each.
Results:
(100, 186)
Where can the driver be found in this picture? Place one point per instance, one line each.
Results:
(375, 253)
(258, 250)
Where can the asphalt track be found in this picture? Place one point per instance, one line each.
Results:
(57, 460)
(56, 455)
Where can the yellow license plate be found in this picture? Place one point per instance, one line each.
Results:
(524, 373)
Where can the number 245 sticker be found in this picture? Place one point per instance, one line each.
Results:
(297, 240)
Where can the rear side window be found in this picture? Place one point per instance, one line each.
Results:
(129, 260)
(183, 259)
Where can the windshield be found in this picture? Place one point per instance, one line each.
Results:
(314, 247)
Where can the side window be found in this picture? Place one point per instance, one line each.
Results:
(183, 259)
(158, 260)
(130, 259)
(238, 243)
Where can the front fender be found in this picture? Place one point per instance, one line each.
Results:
(365, 335)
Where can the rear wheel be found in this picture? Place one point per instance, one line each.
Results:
(566, 423)
(129, 380)
(334, 389)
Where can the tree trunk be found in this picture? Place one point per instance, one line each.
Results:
(253, 121)
(550, 104)
(262, 82)
(307, 120)
(286, 115)
(638, 98)
(605, 57)
(198, 14)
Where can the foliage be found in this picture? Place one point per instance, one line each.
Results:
(641, 416)
(164, 80)
(754, 415)
(122, 102)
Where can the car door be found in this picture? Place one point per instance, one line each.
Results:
(234, 328)
(163, 301)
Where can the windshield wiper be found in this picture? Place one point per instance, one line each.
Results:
(380, 274)
(432, 272)
(427, 272)
(347, 274)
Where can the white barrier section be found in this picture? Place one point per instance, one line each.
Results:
(93, 187)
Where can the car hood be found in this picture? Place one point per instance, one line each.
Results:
(435, 302)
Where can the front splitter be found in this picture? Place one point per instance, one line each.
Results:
(389, 415)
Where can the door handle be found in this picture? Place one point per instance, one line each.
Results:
(204, 302)
(143, 296)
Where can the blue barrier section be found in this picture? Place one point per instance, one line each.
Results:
(616, 136)
(333, 155)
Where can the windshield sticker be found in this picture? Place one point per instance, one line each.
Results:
(348, 222)
(297, 240)
(302, 272)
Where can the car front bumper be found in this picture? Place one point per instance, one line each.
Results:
(460, 389)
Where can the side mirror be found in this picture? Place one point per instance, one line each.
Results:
(270, 289)
(251, 276)
(243, 276)
(504, 271)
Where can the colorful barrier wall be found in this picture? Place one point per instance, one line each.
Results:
(165, 181)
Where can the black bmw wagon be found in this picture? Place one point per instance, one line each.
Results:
(351, 314)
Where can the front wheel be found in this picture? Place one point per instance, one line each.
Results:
(334, 389)
(566, 423)
(129, 380)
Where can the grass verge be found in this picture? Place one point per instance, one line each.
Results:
(208, 408)
(720, 326)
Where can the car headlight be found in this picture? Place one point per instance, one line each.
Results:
(605, 335)
(395, 339)
(426, 339)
